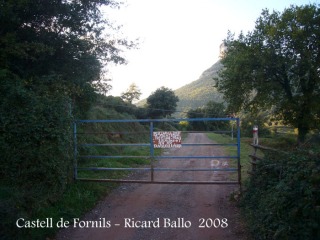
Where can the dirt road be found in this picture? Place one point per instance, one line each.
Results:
(162, 211)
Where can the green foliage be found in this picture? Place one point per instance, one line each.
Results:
(132, 93)
(36, 170)
(211, 110)
(57, 39)
(276, 66)
(282, 199)
(35, 144)
(249, 120)
(51, 58)
(245, 150)
(119, 106)
(162, 103)
(198, 93)
(183, 125)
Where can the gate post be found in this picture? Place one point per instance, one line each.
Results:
(151, 150)
(238, 151)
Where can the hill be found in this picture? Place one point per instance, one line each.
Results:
(199, 92)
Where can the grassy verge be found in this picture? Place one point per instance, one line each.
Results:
(245, 150)
(278, 142)
(80, 197)
(283, 190)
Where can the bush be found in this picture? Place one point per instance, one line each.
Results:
(36, 151)
(249, 120)
(282, 200)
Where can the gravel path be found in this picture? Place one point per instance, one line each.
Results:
(163, 211)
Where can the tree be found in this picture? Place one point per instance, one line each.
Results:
(162, 103)
(211, 110)
(51, 54)
(277, 66)
(132, 93)
(61, 42)
(197, 113)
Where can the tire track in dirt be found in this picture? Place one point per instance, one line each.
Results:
(152, 202)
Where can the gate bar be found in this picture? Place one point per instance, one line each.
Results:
(157, 182)
(156, 120)
(148, 144)
(161, 169)
(158, 157)
(152, 157)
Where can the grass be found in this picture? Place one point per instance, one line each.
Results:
(245, 150)
(281, 142)
(80, 197)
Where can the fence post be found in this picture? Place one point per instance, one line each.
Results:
(255, 135)
(254, 158)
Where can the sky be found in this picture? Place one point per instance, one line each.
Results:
(179, 39)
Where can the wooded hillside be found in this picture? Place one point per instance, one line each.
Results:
(199, 92)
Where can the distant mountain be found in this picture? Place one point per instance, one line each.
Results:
(199, 92)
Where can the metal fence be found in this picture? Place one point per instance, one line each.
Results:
(103, 160)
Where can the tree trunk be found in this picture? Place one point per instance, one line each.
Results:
(303, 121)
(302, 133)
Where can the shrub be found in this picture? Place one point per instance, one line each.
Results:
(282, 200)
(249, 120)
(36, 152)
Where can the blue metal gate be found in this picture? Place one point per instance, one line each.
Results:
(102, 156)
